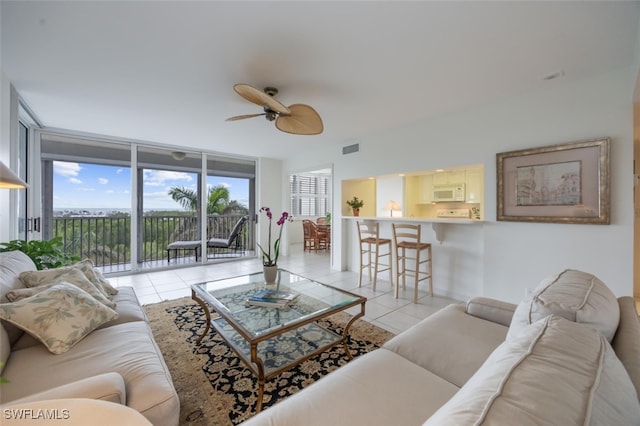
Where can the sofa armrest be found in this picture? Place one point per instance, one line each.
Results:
(106, 387)
(491, 310)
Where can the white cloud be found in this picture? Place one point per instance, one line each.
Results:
(223, 184)
(165, 177)
(118, 171)
(66, 169)
(158, 194)
(103, 181)
(75, 181)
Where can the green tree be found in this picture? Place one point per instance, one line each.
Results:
(217, 199)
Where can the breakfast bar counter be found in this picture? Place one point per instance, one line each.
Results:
(437, 224)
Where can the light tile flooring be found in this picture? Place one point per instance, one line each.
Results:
(382, 309)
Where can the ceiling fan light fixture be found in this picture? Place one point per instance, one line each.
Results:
(178, 155)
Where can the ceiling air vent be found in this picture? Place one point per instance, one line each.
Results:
(350, 149)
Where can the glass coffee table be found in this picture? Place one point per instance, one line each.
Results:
(271, 340)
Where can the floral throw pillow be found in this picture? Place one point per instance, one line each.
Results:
(108, 288)
(72, 276)
(47, 276)
(59, 316)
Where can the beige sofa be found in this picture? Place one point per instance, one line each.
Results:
(547, 361)
(117, 362)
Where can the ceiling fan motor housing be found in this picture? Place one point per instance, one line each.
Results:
(270, 114)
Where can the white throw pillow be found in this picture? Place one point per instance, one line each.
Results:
(553, 372)
(574, 295)
(59, 316)
(72, 276)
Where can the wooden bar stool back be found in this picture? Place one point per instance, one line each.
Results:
(370, 249)
(406, 238)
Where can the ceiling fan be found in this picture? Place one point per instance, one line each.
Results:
(298, 119)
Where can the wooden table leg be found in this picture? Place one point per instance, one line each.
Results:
(207, 314)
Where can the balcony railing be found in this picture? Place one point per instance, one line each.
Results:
(106, 239)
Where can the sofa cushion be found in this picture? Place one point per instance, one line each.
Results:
(106, 387)
(379, 388)
(574, 295)
(59, 316)
(626, 342)
(441, 343)
(36, 278)
(127, 306)
(12, 264)
(72, 412)
(72, 276)
(553, 372)
(127, 349)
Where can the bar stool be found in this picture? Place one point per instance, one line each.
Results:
(407, 237)
(370, 245)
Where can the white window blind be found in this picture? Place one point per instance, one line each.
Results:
(309, 195)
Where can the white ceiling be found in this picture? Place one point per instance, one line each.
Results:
(163, 71)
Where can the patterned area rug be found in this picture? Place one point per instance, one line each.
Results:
(215, 386)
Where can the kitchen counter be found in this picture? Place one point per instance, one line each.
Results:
(437, 224)
(416, 219)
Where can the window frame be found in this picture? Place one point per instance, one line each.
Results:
(309, 194)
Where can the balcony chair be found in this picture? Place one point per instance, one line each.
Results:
(232, 241)
(184, 246)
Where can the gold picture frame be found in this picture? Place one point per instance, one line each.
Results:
(566, 183)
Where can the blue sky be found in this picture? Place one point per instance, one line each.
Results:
(81, 185)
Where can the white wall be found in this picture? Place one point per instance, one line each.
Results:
(5, 144)
(504, 258)
(270, 192)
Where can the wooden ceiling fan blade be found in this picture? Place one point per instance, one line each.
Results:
(242, 117)
(303, 120)
(259, 97)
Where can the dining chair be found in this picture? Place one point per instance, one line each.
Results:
(310, 235)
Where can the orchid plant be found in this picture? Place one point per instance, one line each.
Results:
(267, 258)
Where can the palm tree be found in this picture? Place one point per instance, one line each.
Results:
(235, 207)
(217, 200)
(218, 203)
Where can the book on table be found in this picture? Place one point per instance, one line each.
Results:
(271, 298)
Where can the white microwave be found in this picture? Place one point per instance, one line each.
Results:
(448, 193)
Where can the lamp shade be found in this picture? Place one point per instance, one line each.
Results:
(8, 179)
(391, 206)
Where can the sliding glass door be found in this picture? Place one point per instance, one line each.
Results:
(86, 198)
(124, 205)
(169, 206)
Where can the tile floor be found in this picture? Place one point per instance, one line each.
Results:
(382, 309)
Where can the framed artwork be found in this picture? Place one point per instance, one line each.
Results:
(567, 183)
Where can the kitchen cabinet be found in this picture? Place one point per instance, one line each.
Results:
(475, 186)
(457, 177)
(425, 189)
